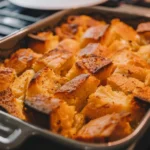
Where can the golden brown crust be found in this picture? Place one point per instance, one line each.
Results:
(10, 104)
(72, 85)
(7, 76)
(22, 60)
(95, 64)
(58, 59)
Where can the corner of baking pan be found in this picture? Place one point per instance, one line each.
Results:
(125, 142)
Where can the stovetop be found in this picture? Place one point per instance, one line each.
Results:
(13, 18)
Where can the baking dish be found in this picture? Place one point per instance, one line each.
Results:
(15, 131)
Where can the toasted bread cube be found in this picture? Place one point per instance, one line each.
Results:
(100, 129)
(69, 45)
(48, 42)
(7, 77)
(76, 26)
(144, 52)
(130, 86)
(125, 84)
(106, 101)
(22, 60)
(133, 71)
(143, 30)
(93, 34)
(98, 66)
(119, 30)
(127, 57)
(94, 65)
(76, 91)
(20, 85)
(58, 60)
(45, 82)
(65, 120)
(118, 45)
(9, 103)
(91, 48)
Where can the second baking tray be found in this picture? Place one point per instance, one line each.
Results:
(15, 131)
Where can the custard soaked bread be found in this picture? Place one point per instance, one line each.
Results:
(90, 77)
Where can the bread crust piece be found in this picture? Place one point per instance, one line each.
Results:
(118, 30)
(7, 77)
(106, 101)
(21, 60)
(100, 129)
(93, 34)
(11, 104)
(58, 59)
(76, 91)
(48, 42)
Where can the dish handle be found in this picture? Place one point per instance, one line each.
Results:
(13, 131)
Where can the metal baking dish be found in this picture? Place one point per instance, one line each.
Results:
(14, 131)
